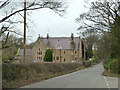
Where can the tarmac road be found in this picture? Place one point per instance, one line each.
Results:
(87, 78)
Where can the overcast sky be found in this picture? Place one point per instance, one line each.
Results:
(47, 21)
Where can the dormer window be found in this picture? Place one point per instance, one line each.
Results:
(59, 46)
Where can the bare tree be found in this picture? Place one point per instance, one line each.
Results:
(7, 24)
(53, 5)
(13, 43)
(100, 16)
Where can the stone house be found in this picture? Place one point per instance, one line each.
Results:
(65, 49)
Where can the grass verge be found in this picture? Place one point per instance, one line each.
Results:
(110, 74)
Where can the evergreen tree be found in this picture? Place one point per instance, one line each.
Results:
(48, 55)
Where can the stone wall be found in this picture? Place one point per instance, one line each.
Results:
(60, 55)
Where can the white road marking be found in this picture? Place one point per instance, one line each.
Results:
(107, 82)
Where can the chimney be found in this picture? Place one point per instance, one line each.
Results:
(72, 36)
(72, 41)
(47, 36)
(47, 41)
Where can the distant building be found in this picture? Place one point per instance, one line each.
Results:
(65, 49)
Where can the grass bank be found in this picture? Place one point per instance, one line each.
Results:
(110, 74)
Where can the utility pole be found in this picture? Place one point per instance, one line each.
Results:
(84, 53)
(84, 50)
(24, 53)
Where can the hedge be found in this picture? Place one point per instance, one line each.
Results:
(18, 72)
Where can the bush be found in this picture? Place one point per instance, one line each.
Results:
(48, 55)
(112, 65)
(106, 66)
(94, 59)
(87, 63)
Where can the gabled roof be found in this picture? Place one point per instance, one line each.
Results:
(61, 42)
(56, 42)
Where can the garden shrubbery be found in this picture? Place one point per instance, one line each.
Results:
(88, 63)
(95, 60)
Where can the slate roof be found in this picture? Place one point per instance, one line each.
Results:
(63, 42)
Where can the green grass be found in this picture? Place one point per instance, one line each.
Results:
(110, 74)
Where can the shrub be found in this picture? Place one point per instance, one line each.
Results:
(48, 55)
(87, 63)
(94, 59)
(106, 64)
(112, 65)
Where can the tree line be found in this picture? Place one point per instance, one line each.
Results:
(11, 9)
(102, 24)
(9, 27)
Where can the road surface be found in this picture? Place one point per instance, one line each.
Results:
(87, 78)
